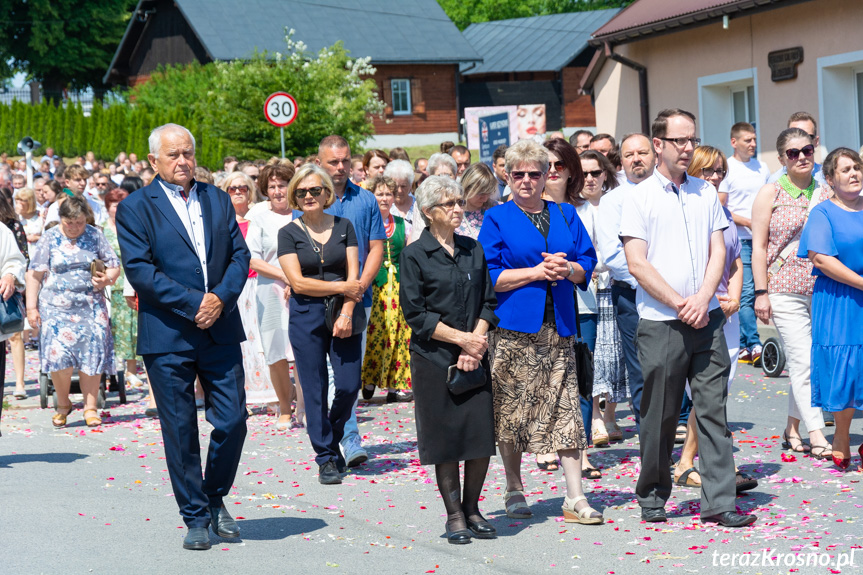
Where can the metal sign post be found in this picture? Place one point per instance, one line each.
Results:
(280, 110)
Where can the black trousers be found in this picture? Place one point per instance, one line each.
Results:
(670, 353)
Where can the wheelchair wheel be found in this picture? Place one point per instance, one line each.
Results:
(772, 358)
(100, 398)
(44, 390)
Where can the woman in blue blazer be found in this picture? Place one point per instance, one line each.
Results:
(536, 251)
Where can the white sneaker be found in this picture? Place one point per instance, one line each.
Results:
(353, 451)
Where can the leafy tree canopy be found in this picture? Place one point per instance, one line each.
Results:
(61, 43)
(463, 13)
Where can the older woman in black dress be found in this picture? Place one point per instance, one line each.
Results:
(448, 301)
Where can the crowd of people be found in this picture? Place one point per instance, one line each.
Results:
(471, 289)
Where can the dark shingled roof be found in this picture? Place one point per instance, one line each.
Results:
(537, 44)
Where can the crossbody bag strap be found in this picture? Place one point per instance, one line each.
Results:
(318, 251)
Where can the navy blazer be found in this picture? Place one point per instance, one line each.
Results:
(161, 264)
(511, 241)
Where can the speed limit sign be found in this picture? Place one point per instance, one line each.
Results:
(280, 109)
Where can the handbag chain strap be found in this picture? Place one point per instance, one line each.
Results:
(318, 250)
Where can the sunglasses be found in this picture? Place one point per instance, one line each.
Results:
(254, 178)
(594, 173)
(559, 166)
(521, 175)
(300, 193)
(450, 205)
(708, 172)
(242, 189)
(794, 153)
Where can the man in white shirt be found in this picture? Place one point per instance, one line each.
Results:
(806, 122)
(745, 177)
(672, 236)
(638, 160)
(76, 182)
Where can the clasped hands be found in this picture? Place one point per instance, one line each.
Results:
(353, 290)
(209, 311)
(553, 267)
(693, 311)
(473, 347)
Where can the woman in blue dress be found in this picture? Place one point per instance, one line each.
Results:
(833, 240)
(71, 306)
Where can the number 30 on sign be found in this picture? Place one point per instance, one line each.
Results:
(280, 109)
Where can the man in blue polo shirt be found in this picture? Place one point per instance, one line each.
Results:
(361, 208)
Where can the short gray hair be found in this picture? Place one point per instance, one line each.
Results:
(400, 170)
(435, 160)
(433, 191)
(155, 139)
(526, 152)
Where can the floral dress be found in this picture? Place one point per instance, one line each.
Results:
(387, 362)
(124, 320)
(75, 326)
(471, 223)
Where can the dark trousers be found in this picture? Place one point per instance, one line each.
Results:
(172, 381)
(587, 322)
(313, 343)
(623, 299)
(671, 353)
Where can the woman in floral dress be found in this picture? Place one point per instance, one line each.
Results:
(72, 310)
(387, 358)
(480, 189)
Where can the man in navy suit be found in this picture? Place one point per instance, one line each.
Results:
(184, 254)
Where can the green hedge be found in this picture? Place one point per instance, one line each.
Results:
(106, 131)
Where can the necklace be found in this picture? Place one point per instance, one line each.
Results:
(845, 206)
(540, 219)
(315, 248)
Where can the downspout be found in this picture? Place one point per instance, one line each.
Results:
(642, 84)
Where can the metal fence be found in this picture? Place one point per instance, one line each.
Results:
(29, 96)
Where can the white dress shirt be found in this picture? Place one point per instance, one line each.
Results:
(742, 183)
(190, 214)
(587, 304)
(607, 239)
(677, 225)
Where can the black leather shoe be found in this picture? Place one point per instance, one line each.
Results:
(328, 473)
(481, 529)
(197, 539)
(653, 514)
(730, 519)
(460, 537)
(222, 523)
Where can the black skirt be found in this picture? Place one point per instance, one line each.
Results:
(450, 428)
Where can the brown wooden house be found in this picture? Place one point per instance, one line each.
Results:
(413, 45)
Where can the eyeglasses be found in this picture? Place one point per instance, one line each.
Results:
(101, 184)
(558, 166)
(681, 142)
(450, 205)
(521, 175)
(794, 153)
(594, 173)
(242, 189)
(708, 172)
(300, 193)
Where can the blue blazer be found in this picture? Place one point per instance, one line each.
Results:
(161, 264)
(511, 241)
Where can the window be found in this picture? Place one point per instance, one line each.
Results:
(401, 91)
(723, 100)
(840, 100)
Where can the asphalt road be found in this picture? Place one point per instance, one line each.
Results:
(79, 500)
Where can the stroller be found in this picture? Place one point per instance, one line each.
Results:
(114, 382)
(772, 357)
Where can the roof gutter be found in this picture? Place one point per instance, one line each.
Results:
(644, 103)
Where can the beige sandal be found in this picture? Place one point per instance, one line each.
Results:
(587, 516)
(59, 419)
(93, 420)
(614, 432)
(516, 509)
(600, 435)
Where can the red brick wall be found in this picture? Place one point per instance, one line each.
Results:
(577, 110)
(433, 99)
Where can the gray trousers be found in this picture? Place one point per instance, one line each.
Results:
(671, 353)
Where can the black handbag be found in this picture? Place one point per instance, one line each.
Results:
(12, 314)
(459, 381)
(583, 361)
(333, 303)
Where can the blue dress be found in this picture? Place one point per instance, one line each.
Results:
(837, 309)
(75, 326)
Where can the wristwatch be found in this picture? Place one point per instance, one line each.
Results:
(760, 292)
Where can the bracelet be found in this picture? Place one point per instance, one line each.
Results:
(346, 316)
(570, 268)
(760, 292)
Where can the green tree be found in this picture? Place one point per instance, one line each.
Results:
(463, 13)
(62, 43)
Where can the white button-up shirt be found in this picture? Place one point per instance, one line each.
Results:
(607, 227)
(677, 225)
(190, 214)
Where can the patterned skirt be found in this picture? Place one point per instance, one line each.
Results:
(387, 362)
(609, 366)
(536, 401)
(124, 327)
